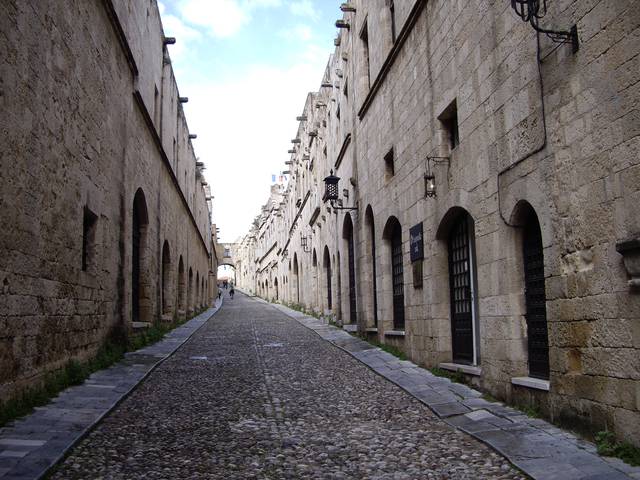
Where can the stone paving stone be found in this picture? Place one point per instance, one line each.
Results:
(31, 445)
(306, 410)
(520, 438)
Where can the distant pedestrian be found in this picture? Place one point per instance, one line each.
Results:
(219, 294)
(232, 292)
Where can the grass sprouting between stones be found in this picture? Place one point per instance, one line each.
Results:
(76, 372)
(610, 447)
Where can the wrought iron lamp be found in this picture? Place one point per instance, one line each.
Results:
(533, 11)
(331, 193)
(429, 178)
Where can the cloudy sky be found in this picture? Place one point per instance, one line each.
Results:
(246, 66)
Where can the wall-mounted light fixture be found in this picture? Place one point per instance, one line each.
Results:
(305, 242)
(331, 193)
(192, 136)
(429, 178)
(183, 99)
(326, 85)
(342, 24)
(533, 11)
(347, 7)
(169, 40)
(302, 118)
(295, 140)
(291, 151)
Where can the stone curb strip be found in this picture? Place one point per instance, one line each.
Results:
(541, 450)
(32, 445)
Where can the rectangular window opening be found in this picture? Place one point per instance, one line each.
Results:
(89, 222)
(364, 36)
(449, 120)
(156, 108)
(389, 168)
(392, 10)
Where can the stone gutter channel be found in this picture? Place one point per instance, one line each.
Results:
(32, 445)
(538, 448)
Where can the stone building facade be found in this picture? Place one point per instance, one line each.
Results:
(105, 214)
(520, 267)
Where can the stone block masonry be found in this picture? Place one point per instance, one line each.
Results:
(527, 282)
(104, 212)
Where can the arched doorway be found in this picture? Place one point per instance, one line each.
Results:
(167, 296)
(196, 292)
(347, 235)
(327, 273)
(190, 292)
(139, 305)
(296, 278)
(371, 236)
(314, 280)
(462, 288)
(393, 235)
(181, 286)
(534, 291)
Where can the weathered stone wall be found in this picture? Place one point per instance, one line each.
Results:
(578, 177)
(82, 132)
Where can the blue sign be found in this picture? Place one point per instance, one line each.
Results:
(416, 242)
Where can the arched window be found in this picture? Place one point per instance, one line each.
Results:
(139, 308)
(167, 296)
(535, 296)
(393, 235)
(347, 234)
(462, 288)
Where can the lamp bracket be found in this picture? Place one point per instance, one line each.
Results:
(532, 11)
(438, 159)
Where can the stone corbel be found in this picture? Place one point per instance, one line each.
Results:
(630, 251)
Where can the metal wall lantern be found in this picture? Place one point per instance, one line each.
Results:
(330, 188)
(342, 24)
(533, 11)
(429, 178)
(305, 242)
(331, 193)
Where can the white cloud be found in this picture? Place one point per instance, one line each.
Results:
(303, 8)
(244, 127)
(299, 32)
(263, 3)
(222, 18)
(174, 27)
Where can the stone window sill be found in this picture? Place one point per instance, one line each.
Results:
(459, 367)
(394, 333)
(350, 327)
(371, 330)
(535, 383)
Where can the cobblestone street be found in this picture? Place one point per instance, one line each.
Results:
(254, 394)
